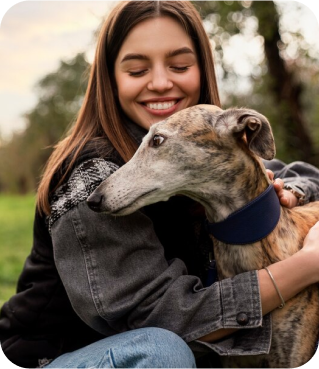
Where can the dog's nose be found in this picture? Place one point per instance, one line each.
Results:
(94, 201)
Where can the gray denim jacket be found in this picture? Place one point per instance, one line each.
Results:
(117, 278)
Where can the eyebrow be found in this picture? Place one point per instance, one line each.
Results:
(170, 54)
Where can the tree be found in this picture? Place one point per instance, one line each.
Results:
(60, 97)
(278, 83)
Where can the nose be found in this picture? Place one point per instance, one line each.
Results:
(94, 201)
(160, 81)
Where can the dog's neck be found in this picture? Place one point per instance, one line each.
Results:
(231, 196)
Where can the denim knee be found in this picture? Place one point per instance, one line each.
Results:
(172, 350)
(140, 348)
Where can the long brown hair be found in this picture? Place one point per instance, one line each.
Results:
(100, 115)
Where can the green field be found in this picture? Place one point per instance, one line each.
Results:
(16, 227)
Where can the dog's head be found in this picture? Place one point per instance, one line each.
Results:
(249, 127)
(199, 146)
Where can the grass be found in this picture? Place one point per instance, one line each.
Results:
(16, 227)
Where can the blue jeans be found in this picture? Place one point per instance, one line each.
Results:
(140, 348)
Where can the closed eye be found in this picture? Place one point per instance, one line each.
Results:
(137, 73)
(156, 141)
(180, 69)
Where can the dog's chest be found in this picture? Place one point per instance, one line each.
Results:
(235, 259)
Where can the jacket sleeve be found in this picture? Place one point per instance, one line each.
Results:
(117, 279)
(303, 175)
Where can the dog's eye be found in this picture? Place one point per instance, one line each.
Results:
(157, 140)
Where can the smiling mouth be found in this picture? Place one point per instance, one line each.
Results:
(161, 105)
(136, 200)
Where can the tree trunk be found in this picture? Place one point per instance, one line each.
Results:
(287, 90)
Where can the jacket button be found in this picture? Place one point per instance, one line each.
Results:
(242, 318)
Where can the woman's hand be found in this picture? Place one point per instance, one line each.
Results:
(292, 274)
(310, 249)
(286, 198)
(311, 242)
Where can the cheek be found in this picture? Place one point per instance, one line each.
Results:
(127, 88)
(192, 85)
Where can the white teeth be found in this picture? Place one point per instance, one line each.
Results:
(161, 106)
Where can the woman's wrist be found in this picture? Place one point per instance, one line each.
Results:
(291, 276)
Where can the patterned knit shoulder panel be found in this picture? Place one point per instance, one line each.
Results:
(82, 182)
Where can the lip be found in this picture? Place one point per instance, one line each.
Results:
(122, 210)
(161, 112)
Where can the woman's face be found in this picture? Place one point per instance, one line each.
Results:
(156, 71)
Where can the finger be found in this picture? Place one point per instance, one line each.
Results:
(270, 174)
(279, 184)
(291, 199)
(284, 201)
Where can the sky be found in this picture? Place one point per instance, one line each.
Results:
(35, 35)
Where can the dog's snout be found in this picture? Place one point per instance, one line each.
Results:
(95, 201)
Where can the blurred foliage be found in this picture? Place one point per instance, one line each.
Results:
(278, 76)
(60, 96)
(281, 82)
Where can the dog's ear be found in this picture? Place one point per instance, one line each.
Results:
(256, 128)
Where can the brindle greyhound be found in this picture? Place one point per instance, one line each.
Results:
(213, 156)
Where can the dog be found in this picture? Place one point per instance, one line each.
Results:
(214, 157)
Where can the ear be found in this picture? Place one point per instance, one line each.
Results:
(260, 139)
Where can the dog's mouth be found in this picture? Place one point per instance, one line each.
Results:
(122, 210)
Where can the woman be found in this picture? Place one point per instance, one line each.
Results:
(138, 280)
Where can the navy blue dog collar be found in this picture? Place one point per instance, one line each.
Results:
(251, 223)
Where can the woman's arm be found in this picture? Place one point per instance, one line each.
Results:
(295, 273)
(117, 277)
(292, 275)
